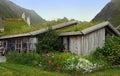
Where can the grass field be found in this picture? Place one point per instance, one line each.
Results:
(108, 72)
(8, 69)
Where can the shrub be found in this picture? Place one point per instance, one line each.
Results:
(49, 41)
(80, 65)
(110, 52)
(67, 62)
(31, 59)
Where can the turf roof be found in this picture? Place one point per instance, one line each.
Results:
(13, 27)
(78, 27)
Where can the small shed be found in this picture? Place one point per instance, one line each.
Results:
(88, 40)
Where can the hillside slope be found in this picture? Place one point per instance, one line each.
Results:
(10, 10)
(110, 12)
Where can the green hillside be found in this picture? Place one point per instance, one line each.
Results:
(110, 12)
(10, 10)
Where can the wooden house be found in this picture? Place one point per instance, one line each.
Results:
(87, 40)
(81, 42)
(27, 41)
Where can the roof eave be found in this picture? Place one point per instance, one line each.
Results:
(71, 33)
(116, 32)
(94, 28)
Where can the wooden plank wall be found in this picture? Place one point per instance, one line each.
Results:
(84, 45)
(19, 44)
(92, 41)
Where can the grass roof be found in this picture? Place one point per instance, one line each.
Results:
(78, 27)
(13, 27)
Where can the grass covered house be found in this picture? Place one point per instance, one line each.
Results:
(79, 38)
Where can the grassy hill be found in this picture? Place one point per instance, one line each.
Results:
(110, 12)
(10, 10)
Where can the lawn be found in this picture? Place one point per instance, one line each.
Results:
(108, 72)
(8, 69)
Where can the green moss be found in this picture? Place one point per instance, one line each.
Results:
(78, 27)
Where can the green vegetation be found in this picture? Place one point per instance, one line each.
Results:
(13, 27)
(78, 27)
(55, 61)
(11, 69)
(106, 72)
(118, 29)
(49, 42)
(110, 52)
(31, 59)
(8, 69)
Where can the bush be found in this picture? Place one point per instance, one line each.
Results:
(48, 42)
(31, 59)
(110, 52)
(67, 62)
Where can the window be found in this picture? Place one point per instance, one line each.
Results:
(10, 44)
(18, 45)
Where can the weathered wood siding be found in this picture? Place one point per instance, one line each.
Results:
(92, 41)
(86, 44)
(24, 44)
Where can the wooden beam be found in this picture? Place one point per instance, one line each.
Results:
(21, 45)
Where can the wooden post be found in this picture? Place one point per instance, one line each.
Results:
(6, 44)
(21, 45)
(27, 45)
(15, 44)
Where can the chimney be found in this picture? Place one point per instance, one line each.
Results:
(2, 24)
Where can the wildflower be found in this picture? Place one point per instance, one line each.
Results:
(49, 61)
(57, 66)
(79, 64)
